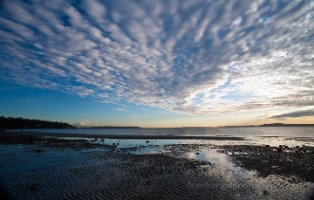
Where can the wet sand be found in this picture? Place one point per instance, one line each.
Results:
(33, 167)
(51, 172)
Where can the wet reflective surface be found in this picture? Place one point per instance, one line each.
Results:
(256, 168)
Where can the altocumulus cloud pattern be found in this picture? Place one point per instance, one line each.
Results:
(188, 56)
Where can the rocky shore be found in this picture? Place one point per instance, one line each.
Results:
(294, 162)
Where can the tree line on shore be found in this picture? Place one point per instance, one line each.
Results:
(22, 123)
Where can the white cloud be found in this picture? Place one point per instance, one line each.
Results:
(295, 114)
(94, 8)
(82, 123)
(120, 109)
(194, 57)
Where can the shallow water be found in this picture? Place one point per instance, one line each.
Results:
(256, 140)
(231, 174)
(67, 173)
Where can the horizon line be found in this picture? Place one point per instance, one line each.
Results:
(228, 126)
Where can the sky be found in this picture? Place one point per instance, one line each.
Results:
(158, 63)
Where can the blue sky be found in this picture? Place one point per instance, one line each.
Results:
(158, 62)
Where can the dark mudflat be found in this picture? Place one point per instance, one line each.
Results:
(297, 162)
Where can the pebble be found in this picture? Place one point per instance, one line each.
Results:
(265, 193)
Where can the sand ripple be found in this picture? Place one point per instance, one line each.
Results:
(102, 173)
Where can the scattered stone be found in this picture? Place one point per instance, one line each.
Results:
(291, 163)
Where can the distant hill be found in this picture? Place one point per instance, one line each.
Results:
(272, 125)
(21, 123)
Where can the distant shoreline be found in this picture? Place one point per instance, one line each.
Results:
(249, 126)
(270, 125)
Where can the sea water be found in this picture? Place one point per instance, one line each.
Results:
(301, 131)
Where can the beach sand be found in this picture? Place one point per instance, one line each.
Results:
(33, 167)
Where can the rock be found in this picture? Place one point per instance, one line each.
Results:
(265, 192)
(38, 150)
(279, 150)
